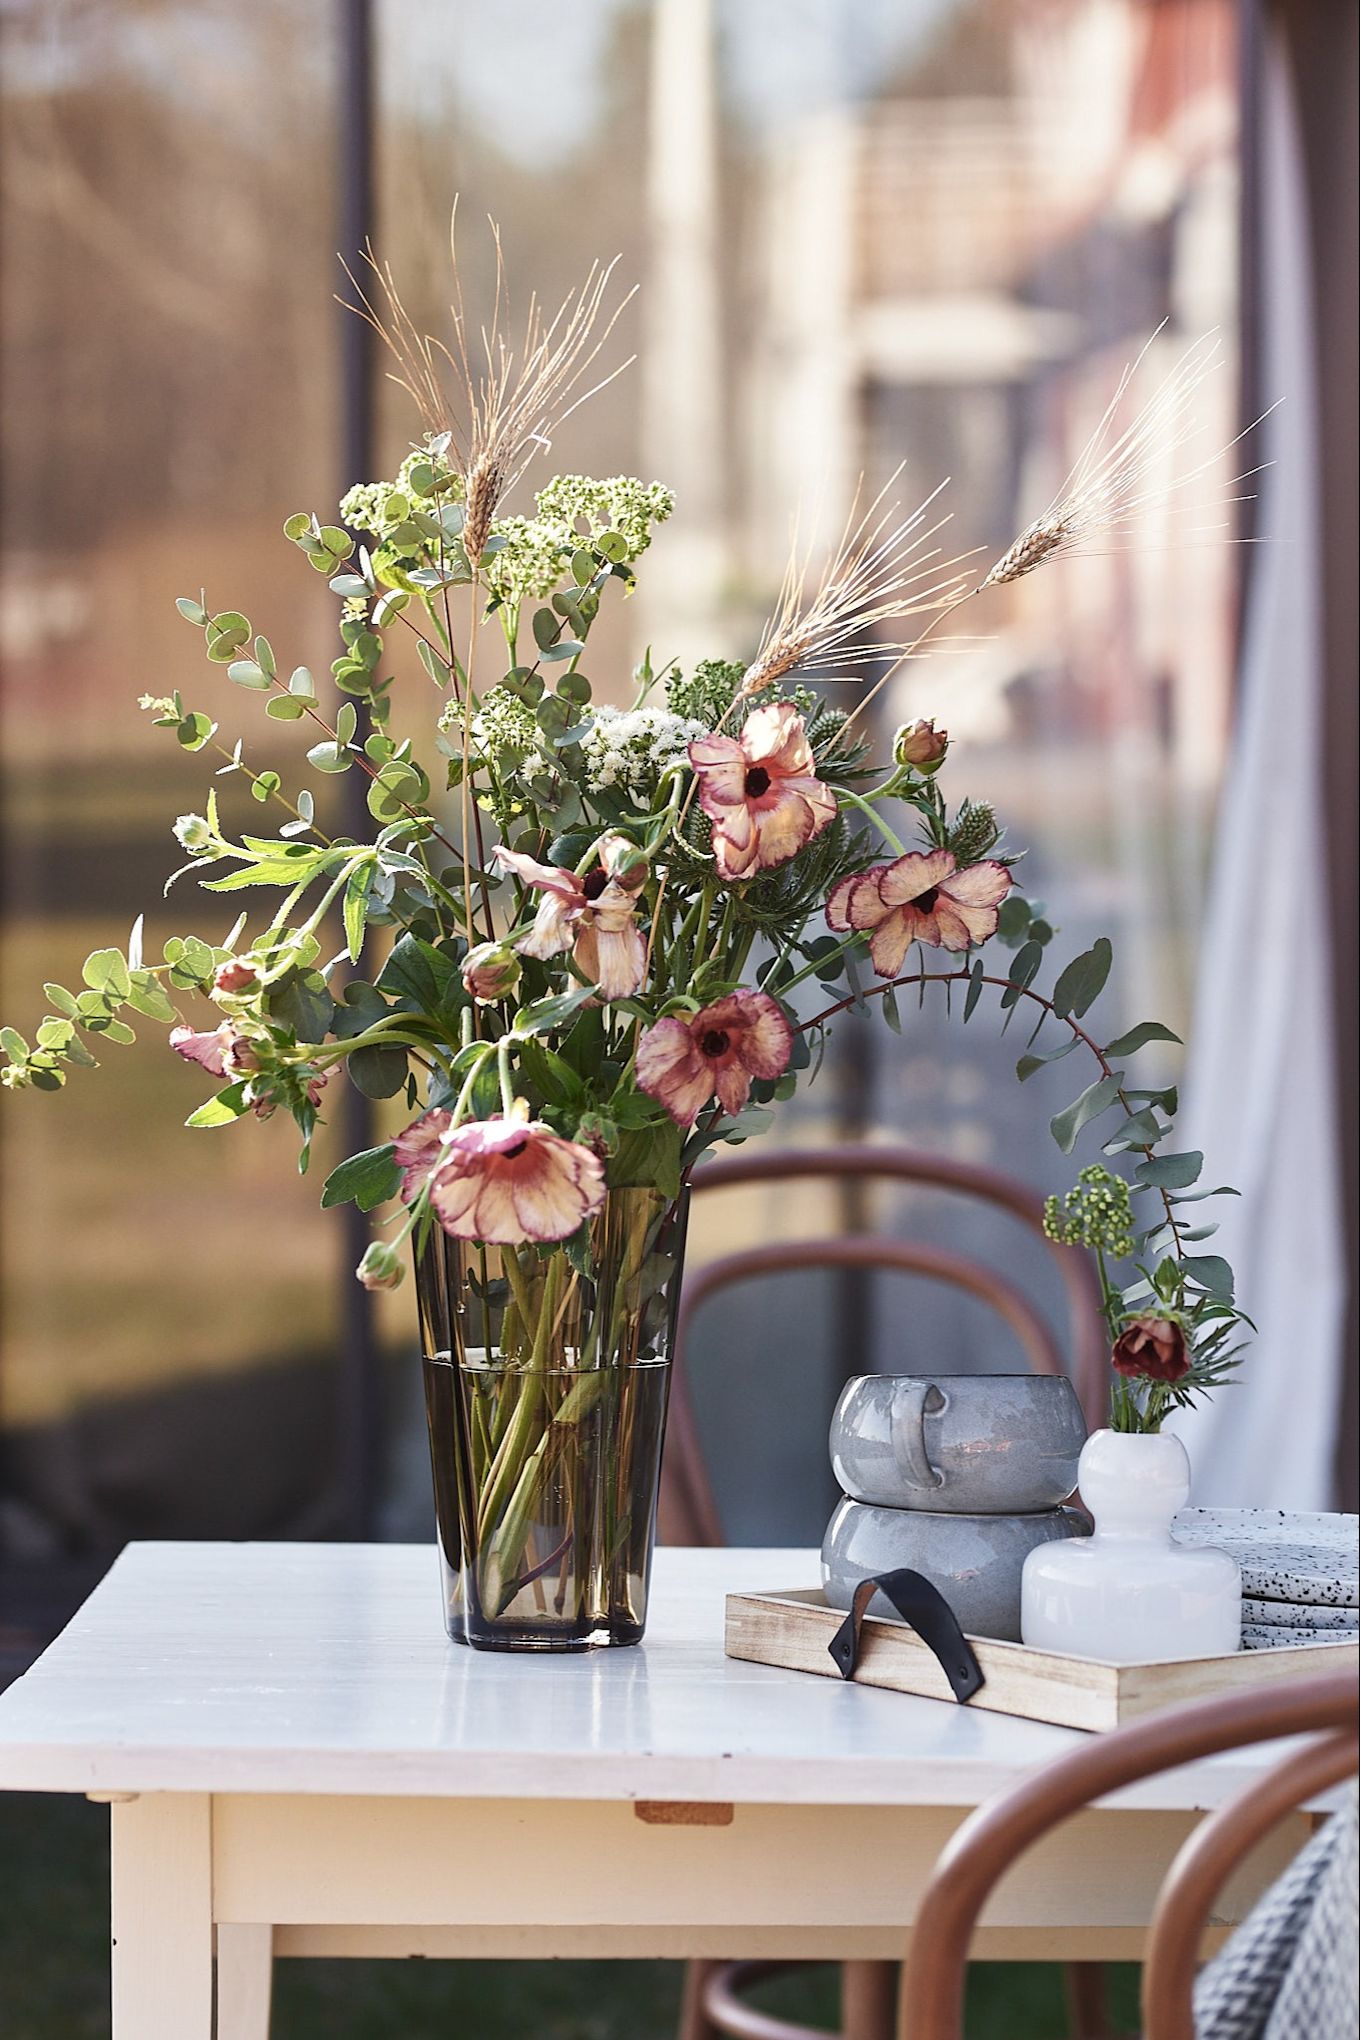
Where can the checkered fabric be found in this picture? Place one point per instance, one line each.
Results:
(1290, 1970)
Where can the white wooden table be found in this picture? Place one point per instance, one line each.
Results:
(299, 1763)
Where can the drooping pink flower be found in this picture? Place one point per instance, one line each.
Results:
(507, 1179)
(684, 1062)
(761, 791)
(921, 897)
(223, 1052)
(416, 1151)
(595, 916)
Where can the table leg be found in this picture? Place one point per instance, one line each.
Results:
(869, 2000)
(245, 1976)
(162, 1917)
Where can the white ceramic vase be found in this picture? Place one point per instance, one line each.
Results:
(1129, 1594)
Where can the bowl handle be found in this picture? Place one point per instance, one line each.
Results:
(912, 1404)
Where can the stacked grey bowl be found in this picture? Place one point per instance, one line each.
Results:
(1300, 1571)
(957, 1476)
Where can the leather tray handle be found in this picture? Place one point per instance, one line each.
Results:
(923, 1608)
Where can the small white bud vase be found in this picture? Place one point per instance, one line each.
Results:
(1129, 1594)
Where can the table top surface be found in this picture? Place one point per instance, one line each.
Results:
(325, 1669)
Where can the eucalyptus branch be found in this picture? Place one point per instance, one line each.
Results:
(924, 977)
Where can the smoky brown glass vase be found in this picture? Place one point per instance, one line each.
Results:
(547, 1373)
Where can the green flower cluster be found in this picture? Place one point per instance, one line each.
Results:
(706, 694)
(1096, 1213)
(504, 730)
(383, 507)
(529, 561)
(620, 503)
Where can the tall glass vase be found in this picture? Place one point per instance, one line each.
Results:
(547, 1374)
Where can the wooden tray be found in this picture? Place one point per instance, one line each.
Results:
(794, 1630)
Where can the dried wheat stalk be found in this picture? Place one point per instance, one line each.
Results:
(1117, 479)
(511, 400)
(883, 568)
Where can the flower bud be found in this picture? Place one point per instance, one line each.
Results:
(235, 975)
(490, 972)
(1151, 1349)
(194, 834)
(623, 862)
(921, 745)
(382, 1266)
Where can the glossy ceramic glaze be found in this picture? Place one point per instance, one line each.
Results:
(971, 1444)
(1129, 1595)
(975, 1561)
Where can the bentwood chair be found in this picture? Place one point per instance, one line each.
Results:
(989, 1842)
(688, 1513)
(1325, 1709)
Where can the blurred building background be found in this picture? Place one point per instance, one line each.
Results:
(868, 232)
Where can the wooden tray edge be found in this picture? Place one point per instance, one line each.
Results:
(1087, 1693)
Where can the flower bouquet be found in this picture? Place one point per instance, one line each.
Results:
(577, 943)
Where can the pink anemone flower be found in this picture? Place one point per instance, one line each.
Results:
(921, 897)
(682, 1061)
(594, 916)
(761, 791)
(508, 1179)
(416, 1151)
(223, 1052)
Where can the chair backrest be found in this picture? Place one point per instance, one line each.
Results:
(989, 1841)
(688, 1513)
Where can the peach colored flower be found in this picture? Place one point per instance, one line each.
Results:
(1151, 1349)
(416, 1151)
(921, 897)
(761, 791)
(507, 1179)
(684, 1061)
(594, 916)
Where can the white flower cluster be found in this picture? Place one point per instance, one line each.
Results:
(621, 503)
(626, 750)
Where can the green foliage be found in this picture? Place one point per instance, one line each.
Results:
(366, 1179)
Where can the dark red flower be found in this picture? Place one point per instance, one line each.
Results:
(1152, 1349)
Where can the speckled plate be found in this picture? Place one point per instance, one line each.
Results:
(1282, 1639)
(1284, 1554)
(1301, 1615)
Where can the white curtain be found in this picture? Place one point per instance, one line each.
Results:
(1260, 1092)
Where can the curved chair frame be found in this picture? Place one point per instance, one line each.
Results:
(895, 1163)
(688, 1513)
(991, 1839)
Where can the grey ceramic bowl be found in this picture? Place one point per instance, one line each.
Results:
(973, 1444)
(975, 1561)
